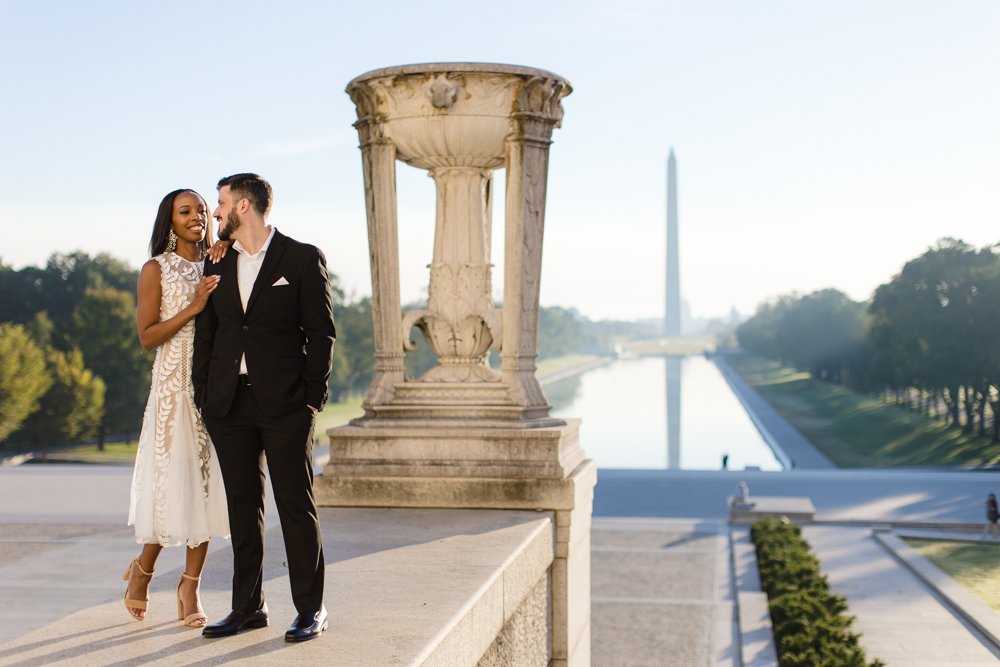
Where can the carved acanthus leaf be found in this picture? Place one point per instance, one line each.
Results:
(410, 320)
(541, 95)
(364, 99)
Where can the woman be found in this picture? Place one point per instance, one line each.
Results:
(177, 492)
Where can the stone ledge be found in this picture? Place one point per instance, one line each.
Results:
(407, 587)
(797, 508)
(756, 634)
(549, 453)
(447, 492)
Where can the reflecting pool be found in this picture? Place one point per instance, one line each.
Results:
(661, 413)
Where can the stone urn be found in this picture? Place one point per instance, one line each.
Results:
(460, 122)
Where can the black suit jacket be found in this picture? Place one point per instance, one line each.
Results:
(287, 333)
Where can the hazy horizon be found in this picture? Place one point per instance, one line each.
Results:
(818, 145)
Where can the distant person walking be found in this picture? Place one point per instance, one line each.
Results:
(177, 495)
(992, 514)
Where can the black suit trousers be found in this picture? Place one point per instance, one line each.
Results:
(243, 439)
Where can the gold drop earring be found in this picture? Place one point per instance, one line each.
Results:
(171, 241)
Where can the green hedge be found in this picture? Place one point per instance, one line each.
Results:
(811, 626)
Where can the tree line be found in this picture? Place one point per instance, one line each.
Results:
(926, 338)
(72, 369)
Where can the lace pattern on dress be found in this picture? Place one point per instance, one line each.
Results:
(171, 378)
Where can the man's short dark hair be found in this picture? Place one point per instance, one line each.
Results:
(249, 186)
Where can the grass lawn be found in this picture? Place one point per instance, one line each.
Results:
(975, 566)
(112, 450)
(338, 414)
(856, 430)
(557, 364)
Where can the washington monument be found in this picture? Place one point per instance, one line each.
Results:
(672, 310)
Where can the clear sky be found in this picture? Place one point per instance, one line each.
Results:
(819, 143)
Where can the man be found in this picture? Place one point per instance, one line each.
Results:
(262, 356)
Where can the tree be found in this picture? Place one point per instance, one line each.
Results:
(354, 352)
(23, 380)
(104, 329)
(558, 332)
(72, 408)
(984, 325)
(58, 288)
(759, 334)
(41, 329)
(67, 279)
(22, 294)
(822, 332)
(923, 324)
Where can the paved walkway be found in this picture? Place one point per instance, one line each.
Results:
(839, 495)
(900, 619)
(662, 593)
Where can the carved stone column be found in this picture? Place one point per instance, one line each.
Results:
(538, 112)
(378, 159)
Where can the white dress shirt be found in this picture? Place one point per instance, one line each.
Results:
(247, 270)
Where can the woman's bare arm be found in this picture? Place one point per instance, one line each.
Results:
(153, 332)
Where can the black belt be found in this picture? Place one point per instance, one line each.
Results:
(243, 379)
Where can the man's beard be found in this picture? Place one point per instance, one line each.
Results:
(232, 224)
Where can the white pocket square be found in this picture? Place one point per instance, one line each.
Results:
(280, 281)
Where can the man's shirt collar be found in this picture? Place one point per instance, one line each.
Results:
(238, 247)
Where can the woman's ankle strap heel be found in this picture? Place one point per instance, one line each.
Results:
(190, 620)
(131, 604)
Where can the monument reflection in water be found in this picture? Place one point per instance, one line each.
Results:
(676, 413)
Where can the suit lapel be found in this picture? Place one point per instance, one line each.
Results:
(269, 267)
(230, 281)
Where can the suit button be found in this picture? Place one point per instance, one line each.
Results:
(246, 328)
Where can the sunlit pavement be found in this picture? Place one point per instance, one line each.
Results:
(661, 592)
(839, 495)
(901, 619)
(64, 542)
(65, 525)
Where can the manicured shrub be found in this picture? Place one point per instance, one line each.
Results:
(811, 625)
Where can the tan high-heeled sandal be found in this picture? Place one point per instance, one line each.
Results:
(189, 620)
(131, 604)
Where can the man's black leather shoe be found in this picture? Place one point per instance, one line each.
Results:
(237, 622)
(307, 626)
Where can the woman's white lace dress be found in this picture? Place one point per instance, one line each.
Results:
(177, 491)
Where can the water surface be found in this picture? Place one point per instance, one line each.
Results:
(661, 413)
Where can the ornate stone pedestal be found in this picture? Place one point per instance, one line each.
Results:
(465, 435)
